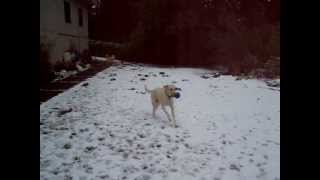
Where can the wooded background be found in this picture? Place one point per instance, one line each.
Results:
(239, 34)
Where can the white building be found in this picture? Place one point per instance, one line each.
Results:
(63, 23)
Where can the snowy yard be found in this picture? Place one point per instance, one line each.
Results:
(227, 129)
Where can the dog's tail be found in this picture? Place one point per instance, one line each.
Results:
(146, 89)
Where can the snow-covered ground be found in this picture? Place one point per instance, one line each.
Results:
(227, 129)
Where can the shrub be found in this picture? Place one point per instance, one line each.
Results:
(273, 45)
(85, 57)
(46, 73)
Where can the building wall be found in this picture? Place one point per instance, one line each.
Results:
(59, 34)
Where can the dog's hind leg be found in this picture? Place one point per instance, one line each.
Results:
(166, 112)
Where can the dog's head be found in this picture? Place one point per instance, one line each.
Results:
(170, 90)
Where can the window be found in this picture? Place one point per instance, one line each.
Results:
(80, 17)
(67, 12)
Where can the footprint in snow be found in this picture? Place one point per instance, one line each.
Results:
(240, 157)
(64, 111)
(67, 146)
(234, 167)
(106, 176)
(86, 84)
(88, 168)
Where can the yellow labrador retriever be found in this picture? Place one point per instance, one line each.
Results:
(164, 97)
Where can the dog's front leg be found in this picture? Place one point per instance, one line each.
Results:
(155, 106)
(173, 115)
(165, 111)
(154, 112)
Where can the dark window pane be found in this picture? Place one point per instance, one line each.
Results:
(80, 17)
(67, 12)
